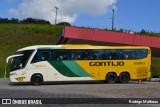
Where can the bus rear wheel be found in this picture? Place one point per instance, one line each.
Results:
(111, 78)
(124, 78)
(37, 79)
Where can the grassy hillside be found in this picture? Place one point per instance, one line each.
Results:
(16, 36)
(156, 66)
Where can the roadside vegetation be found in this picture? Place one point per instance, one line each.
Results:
(16, 36)
(155, 66)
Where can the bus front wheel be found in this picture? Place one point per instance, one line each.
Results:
(111, 78)
(124, 78)
(37, 79)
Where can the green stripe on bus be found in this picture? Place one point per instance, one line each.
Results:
(62, 68)
(76, 68)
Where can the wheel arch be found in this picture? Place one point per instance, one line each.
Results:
(126, 73)
(37, 74)
(111, 72)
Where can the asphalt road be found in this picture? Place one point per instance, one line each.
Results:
(82, 90)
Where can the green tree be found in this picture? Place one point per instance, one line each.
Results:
(64, 24)
(143, 31)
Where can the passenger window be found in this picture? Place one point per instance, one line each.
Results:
(60, 55)
(128, 54)
(76, 55)
(42, 55)
(113, 55)
(98, 55)
(45, 56)
(95, 55)
(86, 54)
(141, 53)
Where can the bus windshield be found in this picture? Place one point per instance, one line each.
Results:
(17, 63)
(20, 62)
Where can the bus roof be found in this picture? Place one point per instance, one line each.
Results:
(80, 46)
(39, 46)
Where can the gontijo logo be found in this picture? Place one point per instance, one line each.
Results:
(108, 63)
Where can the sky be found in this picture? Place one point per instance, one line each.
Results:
(132, 15)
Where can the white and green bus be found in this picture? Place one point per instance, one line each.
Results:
(38, 64)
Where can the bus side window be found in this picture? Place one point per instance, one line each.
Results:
(128, 54)
(86, 54)
(113, 55)
(69, 55)
(107, 54)
(141, 53)
(132, 54)
(60, 55)
(45, 56)
(42, 55)
(95, 55)
(103, 55)
(76, 55)
(98, 54)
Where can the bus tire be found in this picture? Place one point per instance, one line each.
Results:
(37, 79)
(124, 78)
(111, 78)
